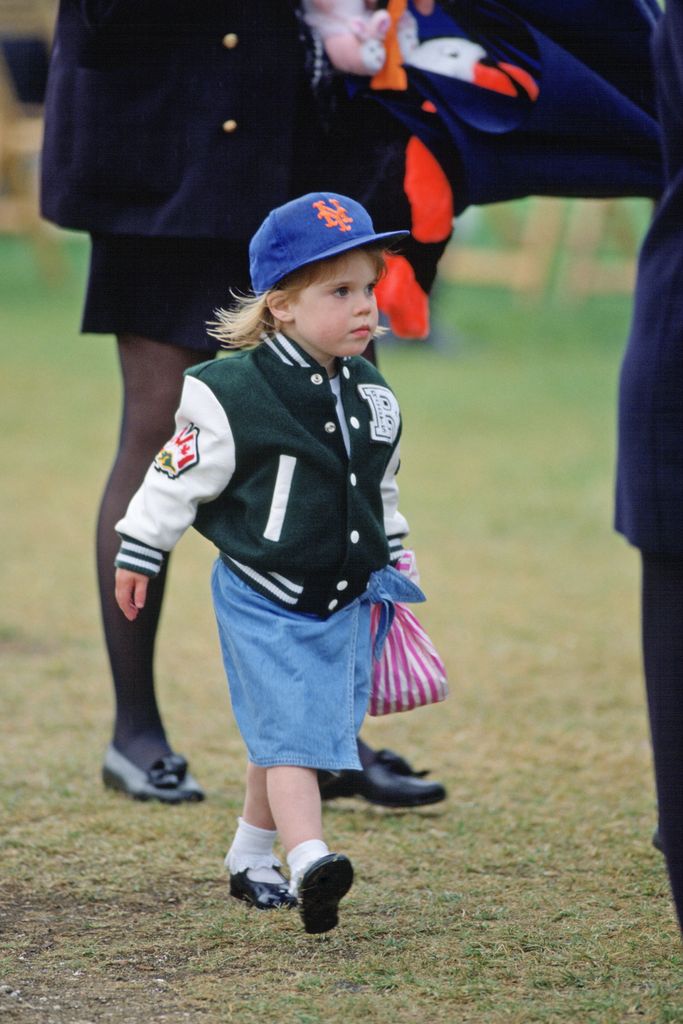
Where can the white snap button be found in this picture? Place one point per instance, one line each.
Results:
(316, 378)
(355, 536)
(330, 427)
(230, 126)
(346, 372)
(230, 40)
(342, 585)
(333, 604)
(354, 423)
(354, 479)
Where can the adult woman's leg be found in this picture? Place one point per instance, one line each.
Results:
(662, 608)
(152, 374)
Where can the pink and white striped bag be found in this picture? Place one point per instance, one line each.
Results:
(410, 673)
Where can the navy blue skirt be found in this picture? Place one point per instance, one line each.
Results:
(165, 289)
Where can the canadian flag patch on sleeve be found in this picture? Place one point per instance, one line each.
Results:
(180, 453)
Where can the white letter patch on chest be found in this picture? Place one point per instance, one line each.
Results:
(180, 453)
(384, 410)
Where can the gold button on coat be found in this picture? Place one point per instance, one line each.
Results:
(230, 125)
(230, 41)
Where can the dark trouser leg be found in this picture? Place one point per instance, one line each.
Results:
(152, 383)
(662, 608)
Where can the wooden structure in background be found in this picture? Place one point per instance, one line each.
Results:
(592, 227)
(578, 247)
(520, 253)
(21, 133)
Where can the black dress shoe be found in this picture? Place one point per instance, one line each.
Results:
(321, 887)
(657, 840)
(389, 782)
(262, 895)
(168, 779)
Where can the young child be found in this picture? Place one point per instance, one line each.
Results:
(285, 456)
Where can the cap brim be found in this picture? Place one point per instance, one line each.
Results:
(347, 246)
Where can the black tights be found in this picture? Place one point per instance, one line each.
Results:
(152, 381)
(662, 604)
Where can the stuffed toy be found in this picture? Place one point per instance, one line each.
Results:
(361, 40)
(353, 32)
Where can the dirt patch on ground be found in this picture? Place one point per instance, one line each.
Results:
(75, 963)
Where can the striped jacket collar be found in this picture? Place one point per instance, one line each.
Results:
(286, 350)
(291, 354)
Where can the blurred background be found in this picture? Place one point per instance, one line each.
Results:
(542, 853)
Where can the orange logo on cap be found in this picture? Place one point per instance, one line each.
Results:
(334, 214)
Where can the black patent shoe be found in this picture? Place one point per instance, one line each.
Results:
(321, 887)
(388, 782)
(262, 895)
(167, 780)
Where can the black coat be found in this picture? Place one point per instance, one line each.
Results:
(173, 117)
(650, 461)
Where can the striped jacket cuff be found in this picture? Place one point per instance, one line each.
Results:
(395, 548)
(139, 557)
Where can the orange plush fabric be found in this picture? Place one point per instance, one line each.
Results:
(402, 299)
(392, 75)
(429, 194)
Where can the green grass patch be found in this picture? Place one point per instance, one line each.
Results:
(532, 895)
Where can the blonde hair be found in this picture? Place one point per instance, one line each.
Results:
(245, 324)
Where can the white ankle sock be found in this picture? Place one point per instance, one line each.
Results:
(252, 851)
(299, 858)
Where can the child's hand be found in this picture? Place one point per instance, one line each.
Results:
(131, 592)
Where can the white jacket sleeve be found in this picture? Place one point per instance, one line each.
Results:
(395, 525)
(195, 466)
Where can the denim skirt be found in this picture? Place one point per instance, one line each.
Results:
(299, 685)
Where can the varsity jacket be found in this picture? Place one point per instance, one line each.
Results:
(258, 464)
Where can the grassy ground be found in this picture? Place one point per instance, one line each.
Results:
(532, 895)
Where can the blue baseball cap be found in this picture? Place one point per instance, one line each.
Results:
(312, 227)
